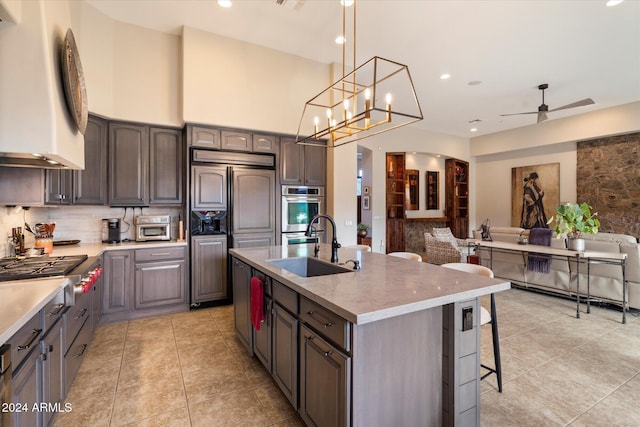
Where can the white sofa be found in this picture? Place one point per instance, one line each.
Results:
(606, 280)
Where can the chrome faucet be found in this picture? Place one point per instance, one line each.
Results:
(334, 241)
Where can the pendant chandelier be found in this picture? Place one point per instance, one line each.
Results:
(375, 97)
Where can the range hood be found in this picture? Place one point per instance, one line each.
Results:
(34, 118)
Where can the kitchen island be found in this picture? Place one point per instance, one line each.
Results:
(383, 345)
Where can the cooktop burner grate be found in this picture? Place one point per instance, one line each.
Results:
(31, 268)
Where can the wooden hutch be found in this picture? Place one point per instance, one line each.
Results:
(456, 175)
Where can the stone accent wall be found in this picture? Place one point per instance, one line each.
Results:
(608, 178)
(414, 234)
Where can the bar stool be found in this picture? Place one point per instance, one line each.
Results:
(485, 317)
(363, 248)
(407, 255)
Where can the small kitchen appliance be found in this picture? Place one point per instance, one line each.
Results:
(153, 227)
(111, 230)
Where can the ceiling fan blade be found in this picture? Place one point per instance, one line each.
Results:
(542, 116)
(517, 114)
(581, 103)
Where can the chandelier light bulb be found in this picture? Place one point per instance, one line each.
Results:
(316, 120)
(346, 104)
(388, 98)
(367, 94)
(328, 113)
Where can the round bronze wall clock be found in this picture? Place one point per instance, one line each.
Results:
(73, 81)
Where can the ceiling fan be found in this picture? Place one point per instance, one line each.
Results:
(543, 109)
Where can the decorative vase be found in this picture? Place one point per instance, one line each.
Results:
(362, 233)
(575, 244)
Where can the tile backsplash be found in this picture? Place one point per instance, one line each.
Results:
(78, 222)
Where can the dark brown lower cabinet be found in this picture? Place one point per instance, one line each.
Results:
(26, 384)
(324, 382)
(285, 353)
(52, 360)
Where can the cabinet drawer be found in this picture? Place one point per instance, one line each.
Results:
(75, 317)
(160, 253)
(325, 322)
(285, 296)
(53, 310)
(74, 357)
(26, 339)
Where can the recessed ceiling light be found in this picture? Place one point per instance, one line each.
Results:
(346, 3)
(474, 83)
(340, 40)
(438, 155)
(613, 2)
(473, 129)
(444, 76)
(224, 3)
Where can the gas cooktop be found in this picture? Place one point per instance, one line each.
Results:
(30, 268)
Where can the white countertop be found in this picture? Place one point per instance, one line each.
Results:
(21, 299)
(385, 286)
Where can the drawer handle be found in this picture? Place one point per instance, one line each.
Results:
(35, 334)
(161, 254)
(81, 314)
(310, 340)
(59, 308)
(84, 347)
(327, 324)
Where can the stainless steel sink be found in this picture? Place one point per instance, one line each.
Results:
(308, 267)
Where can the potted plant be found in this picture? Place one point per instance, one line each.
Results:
(362, 230)
(572, 220)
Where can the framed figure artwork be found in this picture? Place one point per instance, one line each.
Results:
(535, 194)
(365, 203)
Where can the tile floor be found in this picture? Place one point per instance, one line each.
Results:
(188, 369)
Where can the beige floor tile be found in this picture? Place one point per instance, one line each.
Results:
(140, 347)
(212, 381)
(620, 408)
(149, 369)
(110, 331)
(175, 418)
(291, 422)
(187, 339)
(148, 399)
(204, 352)
(276, 405)
(101, 380)
(241, 408)
(101, 354)
(92, 411)
(159, 327)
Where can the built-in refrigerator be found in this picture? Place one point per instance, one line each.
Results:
(233, 205)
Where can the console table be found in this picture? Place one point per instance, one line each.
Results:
(587, 257)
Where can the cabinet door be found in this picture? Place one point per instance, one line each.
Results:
(160, 284)
(97, 293)
(285, 353)
(209, 187)
(166, 166)
(265, 143)
(128, 165)
(253, 240)
(242, 303)
(52, 369)
(26, 384)
(315, 165)
(232, 140)
(58, 186)
(254, 205)
(324, 382)
(208, 268)
(200, 136)
(262, 338)
(90, 184)
(291, 162)
(118, 281)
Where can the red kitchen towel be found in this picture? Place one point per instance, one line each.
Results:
(257, 295)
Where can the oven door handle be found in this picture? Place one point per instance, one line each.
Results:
(302, 199)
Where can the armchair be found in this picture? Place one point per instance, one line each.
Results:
(442, 247)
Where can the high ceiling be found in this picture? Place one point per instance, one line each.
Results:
(581, 48)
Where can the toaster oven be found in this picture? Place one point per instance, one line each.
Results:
(153, 227)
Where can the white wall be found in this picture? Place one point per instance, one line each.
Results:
(231, 83)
